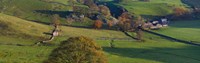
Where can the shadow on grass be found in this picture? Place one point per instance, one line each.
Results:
(186, 24)
(166, 55)
(129, 35)
(87, 27)
(47, 33)
(34, 44)
(173, 39)
(62, 14)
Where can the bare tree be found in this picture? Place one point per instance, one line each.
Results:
(55, 32)
(138, 27)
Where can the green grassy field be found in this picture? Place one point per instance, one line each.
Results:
(28, 11)
(185, 30)
(152, 8)
(151, 51)
(19, 9)
(15, 28)
(62, 1)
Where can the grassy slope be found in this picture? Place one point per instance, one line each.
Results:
(29, 54)
(26, 9)
(156, 50)
(19, 26)
(185, 30)
(153, 8)
(24, 54)
(20, 29)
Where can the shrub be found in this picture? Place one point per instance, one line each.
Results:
(125, 21)
(98, 24)
(55, 20)
(77, 50)
(178, 11)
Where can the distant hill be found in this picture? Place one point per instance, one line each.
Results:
(29, 11)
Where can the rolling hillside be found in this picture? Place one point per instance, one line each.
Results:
(16, 27)
(21, 26)
(185, 30)
(13, 25)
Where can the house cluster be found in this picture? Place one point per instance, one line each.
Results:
(157, 24)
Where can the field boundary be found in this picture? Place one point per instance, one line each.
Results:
(171, 38)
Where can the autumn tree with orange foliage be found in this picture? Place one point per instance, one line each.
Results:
(98, 24)
(110, 24)
(178, 11)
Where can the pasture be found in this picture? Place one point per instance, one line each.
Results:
(151, 51)
(185, 30)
